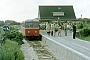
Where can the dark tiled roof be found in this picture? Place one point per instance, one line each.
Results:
(46, 12)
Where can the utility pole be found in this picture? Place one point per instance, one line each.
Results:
(81, 16)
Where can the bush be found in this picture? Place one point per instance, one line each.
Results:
(11, 51)
(87, 38)
(85, 32)
(80, 26)
(15, 35)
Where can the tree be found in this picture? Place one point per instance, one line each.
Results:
(15, 35)
(2, 23)
(14, 23)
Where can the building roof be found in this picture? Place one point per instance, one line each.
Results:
(62, 12)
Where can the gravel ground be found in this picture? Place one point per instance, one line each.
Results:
(28, 51)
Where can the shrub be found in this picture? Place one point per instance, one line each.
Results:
(80, 26)
(85, 32)
(15, 35)
(11, 51)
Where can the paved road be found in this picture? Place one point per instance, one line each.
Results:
(76, 44)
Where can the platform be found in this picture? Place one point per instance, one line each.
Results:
(78, 46)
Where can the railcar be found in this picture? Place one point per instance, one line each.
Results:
(31, 29)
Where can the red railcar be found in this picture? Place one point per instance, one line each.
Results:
(31, 28)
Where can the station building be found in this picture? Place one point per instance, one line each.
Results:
(56, 13)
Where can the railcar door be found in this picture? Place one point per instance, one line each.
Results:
(36, 28)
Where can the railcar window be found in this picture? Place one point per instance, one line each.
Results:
(35, 25)
(29, 25)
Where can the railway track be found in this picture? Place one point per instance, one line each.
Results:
(42, 53)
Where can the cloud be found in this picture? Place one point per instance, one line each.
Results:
(82, 7)
(20, 10)
(46, 2)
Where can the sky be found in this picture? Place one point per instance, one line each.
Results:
(20, 10)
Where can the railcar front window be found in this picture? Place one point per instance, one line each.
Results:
(29, 25)
(35, 25)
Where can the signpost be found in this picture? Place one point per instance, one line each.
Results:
(5, 28)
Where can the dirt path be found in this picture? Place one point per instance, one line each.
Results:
(28, 51)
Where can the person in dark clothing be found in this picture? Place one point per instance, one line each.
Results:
(74, 30)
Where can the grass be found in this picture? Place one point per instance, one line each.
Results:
(11, 51)
(86, 38)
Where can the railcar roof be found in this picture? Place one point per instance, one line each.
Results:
(31, 20)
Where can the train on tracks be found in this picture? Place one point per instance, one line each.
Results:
(30, 29)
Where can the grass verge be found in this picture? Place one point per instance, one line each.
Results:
(86, 38)
(11, 51)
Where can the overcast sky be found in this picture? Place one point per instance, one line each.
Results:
(20, 10)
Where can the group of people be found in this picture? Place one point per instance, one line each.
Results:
(52, 28)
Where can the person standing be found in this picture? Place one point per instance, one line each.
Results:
(65, 29)
(48, 29)
(52, 26)
(74, 30)
(59, 30)
(54, 29)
